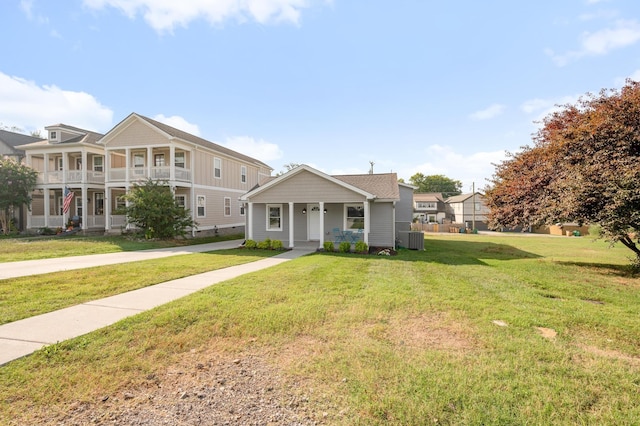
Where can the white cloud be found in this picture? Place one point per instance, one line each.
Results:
(624, 33)
(165, 15)
(543, 107)
(256, 148)
(469, 168)
(31, 107)
(179, 123)
(488, 113)
(621, 81)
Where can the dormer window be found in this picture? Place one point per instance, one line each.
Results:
(53, 135)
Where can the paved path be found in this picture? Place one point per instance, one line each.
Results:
(23, 337)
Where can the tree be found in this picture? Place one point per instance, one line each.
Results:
(153, 209)
(582, 167)
(15, 191)
(436, 183)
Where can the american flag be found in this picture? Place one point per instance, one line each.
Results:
(68, 195)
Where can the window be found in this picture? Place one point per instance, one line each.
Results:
(98, 165)
(59, 163)
(241, 209)
(53, 135)
(427, 205)
(355, 216)
(120, 204)
(78, 163)
(243, 174)
(181, 200)
(79, 202)
(227, 206)
(179, 159)
(217, 168)
(274, 217)
(158, 160)
(432, 218)
(201, 202)
(99, 204)
(478, 207)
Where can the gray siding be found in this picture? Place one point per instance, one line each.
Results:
(382, 233)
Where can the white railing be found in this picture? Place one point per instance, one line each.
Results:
(116, 175)
(183, 174)
(142, 173)
(71, 177)
(56, 221)
(118, 221)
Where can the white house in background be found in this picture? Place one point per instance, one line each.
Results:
(306, 204)
(469, 209)
(205, 177)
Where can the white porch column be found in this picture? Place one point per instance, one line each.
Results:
(150, 162)
(107, 209)
(85, 205)
(47, 207)
(45, 169)
(249, 232)
(127, 164)
(291, 224)
(85, 169)
(367, 221)
(172, 163)
(321, 224)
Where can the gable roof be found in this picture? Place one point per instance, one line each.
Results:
(461, 198)
(172, 132)
(381, 187)
(14, 140)
(428, 196)
(79, 136)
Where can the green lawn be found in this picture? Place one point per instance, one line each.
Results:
(16, 249)
(474, 330)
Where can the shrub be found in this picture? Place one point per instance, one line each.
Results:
(265, 245)
(595, 231)
(276, 245)
(362, 247)
(250, 244)
(328, 246)
(344, 247)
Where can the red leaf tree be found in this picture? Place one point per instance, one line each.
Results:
(583, 167)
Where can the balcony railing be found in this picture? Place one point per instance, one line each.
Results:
(71, 177)
(56, 221)
(143, 173)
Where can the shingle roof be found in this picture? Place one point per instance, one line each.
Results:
(383, 186)
(461, 198)
(180, 134)
(14, 140)
(428, 196)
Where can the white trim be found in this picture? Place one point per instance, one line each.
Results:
(219, 160)
(204, 205)
(225, 205)
(268, 217)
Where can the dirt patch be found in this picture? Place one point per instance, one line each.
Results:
(431, 332)
(608, 353)
(211, 388)
(547, 333)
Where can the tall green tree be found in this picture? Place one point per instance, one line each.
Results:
(584, 166)
(153, 209)
(436, 183)
(17, 183)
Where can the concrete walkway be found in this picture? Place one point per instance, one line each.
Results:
(23, 337)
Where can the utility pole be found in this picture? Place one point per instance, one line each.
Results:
(473, 223)
(371, 168)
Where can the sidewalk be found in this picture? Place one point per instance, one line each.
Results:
(23, 337)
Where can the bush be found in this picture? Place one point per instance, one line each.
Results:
(265, 245)
(250, 244)
(328, 246)
(276, 245)
(595, 231)
(344, 247)
(362, 247)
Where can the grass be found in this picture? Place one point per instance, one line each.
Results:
(17, 249)
(33, 295)
(406, 340)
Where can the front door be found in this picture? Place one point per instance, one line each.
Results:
(313, 224)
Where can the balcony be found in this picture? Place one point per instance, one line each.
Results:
(70, 177)
(155, 173)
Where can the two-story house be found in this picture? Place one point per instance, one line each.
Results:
(469, 209)
(429, 207)
(205, 177)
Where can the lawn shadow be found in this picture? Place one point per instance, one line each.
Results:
(457, 252)
(605, 268)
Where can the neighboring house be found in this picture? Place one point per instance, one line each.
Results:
(305, 204)
(429, 207)
(470, 209)
(205, 177)
(9, 143)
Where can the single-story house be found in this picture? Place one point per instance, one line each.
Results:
(305, 204)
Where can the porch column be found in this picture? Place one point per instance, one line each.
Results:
(290, 224)
(249, 232)
(321, 224)
(85, 205)
(127, 165)
(46, 207)
(107, 209)
(85, 169)
(45, 169)
(149, 160)
(367, 221)
(172, 163)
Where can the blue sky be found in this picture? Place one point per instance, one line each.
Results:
(425, 86)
